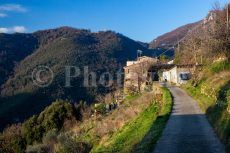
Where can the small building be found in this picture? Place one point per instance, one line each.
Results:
(170, 62)
(136, 74)
(179, 74)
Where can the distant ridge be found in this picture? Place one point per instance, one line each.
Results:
(171, 38)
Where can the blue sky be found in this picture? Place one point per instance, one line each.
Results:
(138, 19)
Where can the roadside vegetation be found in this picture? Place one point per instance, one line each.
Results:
(101, 52)
(43, 132)
(207, 45)
(66, 127)
(142, 132)
(213, 96)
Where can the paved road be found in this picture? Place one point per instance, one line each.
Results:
(187, 130)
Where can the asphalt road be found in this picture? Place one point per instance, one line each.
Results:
(187, 130)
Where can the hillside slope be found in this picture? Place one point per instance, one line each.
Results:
(213, 96)
(171, 38)
(100, 52)
(13, 49)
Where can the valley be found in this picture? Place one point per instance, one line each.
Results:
(70, 90)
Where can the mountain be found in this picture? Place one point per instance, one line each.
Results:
(14, 48)
(146, 45)
(171, 38)
(56, 48)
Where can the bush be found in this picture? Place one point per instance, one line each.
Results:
(12, 141)
(83, 110)
(50, 137)
(100, 108)
(53, 117)
(68, 145)
(220, 66)
(228, 96)
(32, 130)
(47, 145)
(39, 148)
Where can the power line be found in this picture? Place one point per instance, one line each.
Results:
(178, 42)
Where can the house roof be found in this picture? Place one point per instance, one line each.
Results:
(141, 60)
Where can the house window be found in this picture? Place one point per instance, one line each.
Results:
(184, 76)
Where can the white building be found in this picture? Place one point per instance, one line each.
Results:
(170, 62)
(178, 75)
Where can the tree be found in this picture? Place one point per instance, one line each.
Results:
(12, 140)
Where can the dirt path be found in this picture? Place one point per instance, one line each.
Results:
(187, 130)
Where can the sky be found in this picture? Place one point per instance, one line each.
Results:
(141, 20)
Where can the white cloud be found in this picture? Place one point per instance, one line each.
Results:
(18, 29)
(6, 8)
(4, 30)
(12, 7)
(2, 15)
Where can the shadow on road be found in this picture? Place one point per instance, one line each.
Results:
(183, 134)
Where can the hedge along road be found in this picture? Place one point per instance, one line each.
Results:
(188, 130)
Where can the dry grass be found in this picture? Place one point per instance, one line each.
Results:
(214, 84)
(98, 130)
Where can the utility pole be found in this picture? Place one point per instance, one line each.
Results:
(155, 44)
(178, 46)
(139, 52)
(155, 48)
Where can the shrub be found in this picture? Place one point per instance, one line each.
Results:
(100, 108)
(68, 145)
(39, 148)
(220, 66)
(228, 96)
(53, 117)
(12, 141)
(83, 110)
(50, 137)
(32, 130)
(47, 145)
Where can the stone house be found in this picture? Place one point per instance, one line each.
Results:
(136, 74)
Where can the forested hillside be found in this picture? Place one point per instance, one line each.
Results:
(56, 48)
(14, 48)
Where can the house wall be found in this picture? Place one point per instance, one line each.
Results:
(182, 70)
(131, 63)
(166, 76)
(173, 75)
(136, 73)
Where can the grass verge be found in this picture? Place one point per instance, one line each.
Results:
(216, 106)
(141, 133)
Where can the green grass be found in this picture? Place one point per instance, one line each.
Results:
(215, 106)
(131, 97)
(203, 101)
(140, 134)
(219, 66)
(167, 101)
(148, 142)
